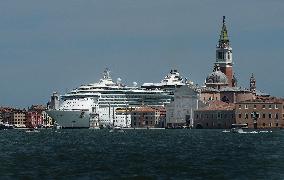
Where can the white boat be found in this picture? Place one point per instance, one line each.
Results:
(32, 130)
(116, 129)
(226, 131)
(238, 128)
(6, 126)
(104, 98)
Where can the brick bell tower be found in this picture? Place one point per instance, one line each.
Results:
(224, 58)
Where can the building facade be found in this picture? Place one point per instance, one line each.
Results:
(146, 117)
(180, 111)
(261, 113)
(122, 117)
(34, 119)
(47, 120)
(18, 119)
(216, 115)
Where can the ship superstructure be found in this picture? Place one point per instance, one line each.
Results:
(101, 100)
(170, 82)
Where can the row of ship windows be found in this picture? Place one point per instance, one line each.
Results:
(276, 106)
(72, 105)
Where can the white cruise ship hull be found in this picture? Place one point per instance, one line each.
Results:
(70, 119)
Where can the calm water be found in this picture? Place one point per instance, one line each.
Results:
(141, 154)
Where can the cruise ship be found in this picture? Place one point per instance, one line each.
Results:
(97, 102)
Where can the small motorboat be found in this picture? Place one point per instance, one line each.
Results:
(32, 130)
(116, 129)
(239, 128)
(5, 126)
(226, 131)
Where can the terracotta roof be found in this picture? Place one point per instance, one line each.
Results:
(38, 107)
(218, 105)
(261, 99)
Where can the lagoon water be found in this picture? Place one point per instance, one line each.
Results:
(141, 154)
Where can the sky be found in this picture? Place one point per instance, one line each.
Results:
(53, 45)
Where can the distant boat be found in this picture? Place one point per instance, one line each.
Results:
(238, 128)
(116, 129)
(32, 130)
(6, 126)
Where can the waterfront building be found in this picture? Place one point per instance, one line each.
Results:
(216, 115)
(122, 117)
(180, 111)
(18, 118)
(34, 119)
(147, 117)
(47, 120)
(261, 113)
(5, 114)
(1, 117)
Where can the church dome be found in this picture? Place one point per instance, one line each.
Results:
(217, 77)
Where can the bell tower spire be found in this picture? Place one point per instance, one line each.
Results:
(224, 38)
(224, 54)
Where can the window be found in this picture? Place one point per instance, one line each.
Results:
(220, 55)
(270, 106)
(263, 106)
(240, 106)
(276, 106)
(276, 116)
(263, 115)
(263, 124)
(269, 115)
(246, 106)
(240, 115)
(254, 106)
(246, 116)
